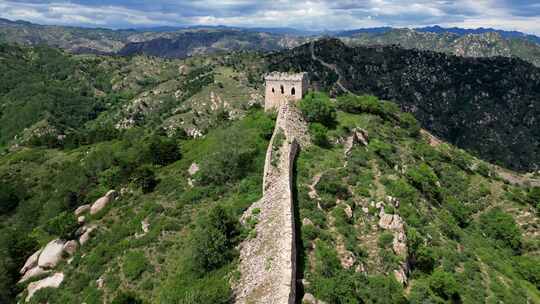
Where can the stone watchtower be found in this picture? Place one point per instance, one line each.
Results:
(281, 87)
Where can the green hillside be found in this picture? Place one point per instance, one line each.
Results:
(183, 143)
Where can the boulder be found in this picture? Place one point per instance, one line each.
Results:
(306, 222)
(87, 230)
(102, 202)
(52, 254)
(348, 211)
(32, 273)
(310, 299)
(31, 261)
(81, 219)
(82, 209)
(70, 247)
(53, 281)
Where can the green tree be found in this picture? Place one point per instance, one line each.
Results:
(213, 240)
(317, 107)
(502, 228)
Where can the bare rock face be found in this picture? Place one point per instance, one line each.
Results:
(53, 281)
(32, 273)
(102, 202)
(52, 254)
(358, 136)
(85, 236)
(396, 225)
(82, 209)
(70, 247)
(31, 261)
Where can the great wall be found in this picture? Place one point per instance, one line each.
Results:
(268, 259)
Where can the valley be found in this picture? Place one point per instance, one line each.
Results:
(154, 166)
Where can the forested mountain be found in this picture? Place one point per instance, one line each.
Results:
(127, 179)
(488, 105)
(485, 44)
(176, 42)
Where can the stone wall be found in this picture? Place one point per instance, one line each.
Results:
(268, 258)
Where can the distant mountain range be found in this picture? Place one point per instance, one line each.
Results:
(181, 42)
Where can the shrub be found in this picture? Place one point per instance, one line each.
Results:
(213, 240)
(126, 298)
(63, 225)
(145, 178)
(8, 199)
(409, 122)
(317, 107)
(331, 183)
(385, 240)
(529, 268)
(160, 150)
(502, 228)
(444, 285)
(424, 179)
(135, 263)
(359, 104)
(319, 134)
(231, 160)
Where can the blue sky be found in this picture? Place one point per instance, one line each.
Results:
(519, 15)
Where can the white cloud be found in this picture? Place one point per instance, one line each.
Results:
(305, 14)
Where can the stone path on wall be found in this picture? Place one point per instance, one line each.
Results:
(268, 259)
(330, 66)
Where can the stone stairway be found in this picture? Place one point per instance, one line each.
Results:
(268, 260)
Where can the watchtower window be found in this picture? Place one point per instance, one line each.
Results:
(273, 91)
(282, 90)
(293, 91)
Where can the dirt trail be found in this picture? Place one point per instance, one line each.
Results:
(330, 66)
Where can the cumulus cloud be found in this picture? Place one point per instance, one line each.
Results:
(522, 15)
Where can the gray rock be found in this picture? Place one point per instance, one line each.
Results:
(31, 261)
(52, 254)
(53, 281)
(32, 273)
(82, 209)
(70, 247)
(102, 202)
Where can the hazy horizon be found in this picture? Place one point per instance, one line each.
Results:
(317, 15)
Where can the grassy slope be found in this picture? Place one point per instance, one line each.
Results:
(452, 255)
(154, 267)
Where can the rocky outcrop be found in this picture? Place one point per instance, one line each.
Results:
(395, 224)
(102, 202)
(268, 260)
(31, 261)
(53, 281)
(86, 233)
(82, 209)
(32, 273)
(358, 136)
(70, 247)
(52, 254)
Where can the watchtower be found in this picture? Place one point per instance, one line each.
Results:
(282, 87)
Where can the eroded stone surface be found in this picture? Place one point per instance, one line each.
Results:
(31, 261)
(32, 273)
(52, 254)
(82, 209)
(396, 225)
(268, 261)
(53, 281)
(102, 202)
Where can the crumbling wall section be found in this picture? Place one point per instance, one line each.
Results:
(268, 258)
